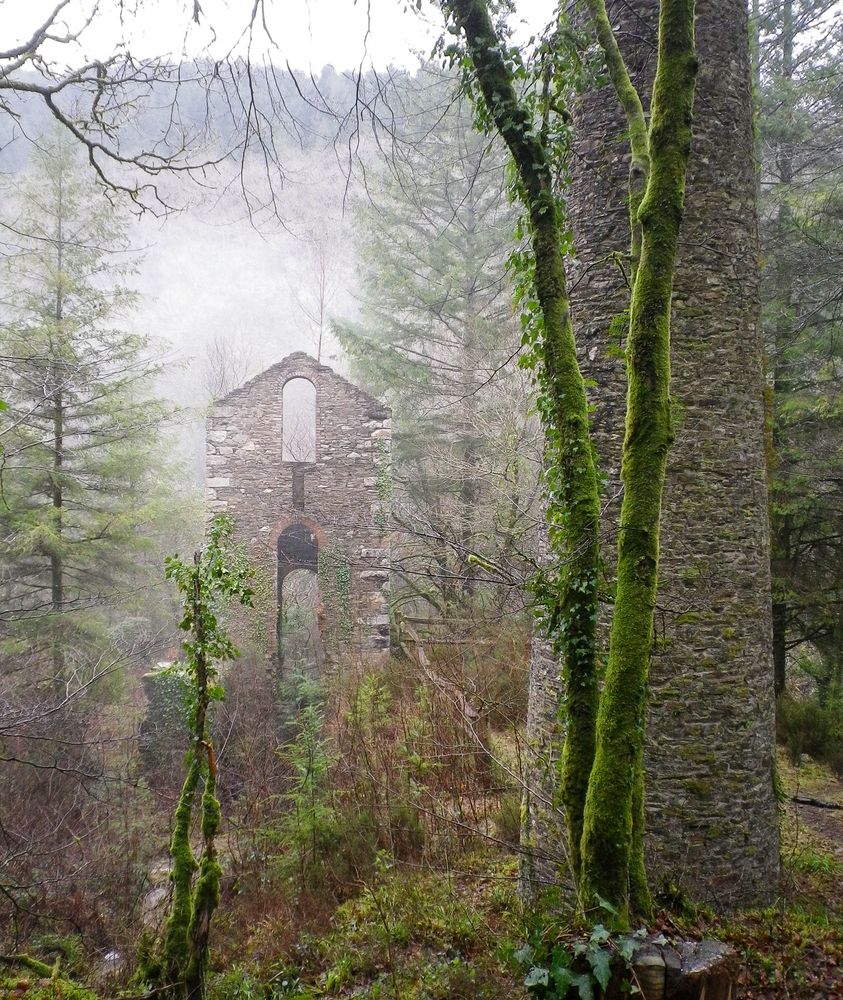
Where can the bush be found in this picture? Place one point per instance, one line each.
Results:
(806, 727)
(507, 818)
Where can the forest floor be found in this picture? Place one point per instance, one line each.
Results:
(457, 931)
(417, 934)
(794, 949)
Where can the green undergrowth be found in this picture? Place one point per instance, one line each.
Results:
(337, 914)
(458, 929)
(812, 837)
(424, 935)
(32, 980)
(47, 972)
(21, 987)
(807, 727)
(786, 950)
(409, 933)
(793, 949)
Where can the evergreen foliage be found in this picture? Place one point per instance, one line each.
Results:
(800, 135)
(82, 448)
(437, 340)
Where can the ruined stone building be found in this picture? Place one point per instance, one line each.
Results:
(300, 459)
(712, 824)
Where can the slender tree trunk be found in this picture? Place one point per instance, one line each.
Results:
(779, 646)
(186, 941)
(572, 482)
(56, 555)
(56, 485)
(613, 845)
(782, 522)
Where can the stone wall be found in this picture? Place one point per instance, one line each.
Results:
(711, 810)
(331, 515)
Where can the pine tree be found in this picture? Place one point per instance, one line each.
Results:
(438, 340)
(81, 436)
(800, 135)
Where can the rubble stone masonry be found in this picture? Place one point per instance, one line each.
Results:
(712, 824)
(330, 515)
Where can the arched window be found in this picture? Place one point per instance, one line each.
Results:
(299, 643)
(298, 421)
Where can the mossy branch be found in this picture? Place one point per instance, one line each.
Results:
(612, 847)
(574, 542)
(41, 969)
(630, 101)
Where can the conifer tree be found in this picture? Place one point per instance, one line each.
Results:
(438, 339)
(81, 436)
(799, 57)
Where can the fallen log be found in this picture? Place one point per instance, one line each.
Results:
(803, 800)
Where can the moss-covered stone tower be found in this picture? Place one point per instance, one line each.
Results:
(711, 808)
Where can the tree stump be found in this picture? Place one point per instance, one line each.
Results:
(689, 970)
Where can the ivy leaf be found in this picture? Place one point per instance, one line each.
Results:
(537, 976)
(604, 904)
(563, 978)
(626, 948)
(523, 955)
(601, 965)
(583, 983)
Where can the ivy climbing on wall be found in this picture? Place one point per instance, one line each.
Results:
(383, 465)
(335, 590)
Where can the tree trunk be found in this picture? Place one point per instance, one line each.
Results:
(710, 806)
(779, 646)
(56, 380)
(613, 846)
(56, 561)
(782, 522)
(570, 474)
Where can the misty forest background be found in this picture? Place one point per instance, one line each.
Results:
(371, 818)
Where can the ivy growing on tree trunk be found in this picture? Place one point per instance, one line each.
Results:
(214, 577)
(602, 759)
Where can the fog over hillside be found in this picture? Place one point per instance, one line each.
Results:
(211, 273)
(228, 266)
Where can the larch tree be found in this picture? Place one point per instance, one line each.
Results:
(602, 762)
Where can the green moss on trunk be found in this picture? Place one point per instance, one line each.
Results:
(572, 482)
(639, 142)
(180, 966)
(602, 767)
(175, 950)
(612, 847)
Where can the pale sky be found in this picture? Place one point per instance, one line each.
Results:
(307, 33)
